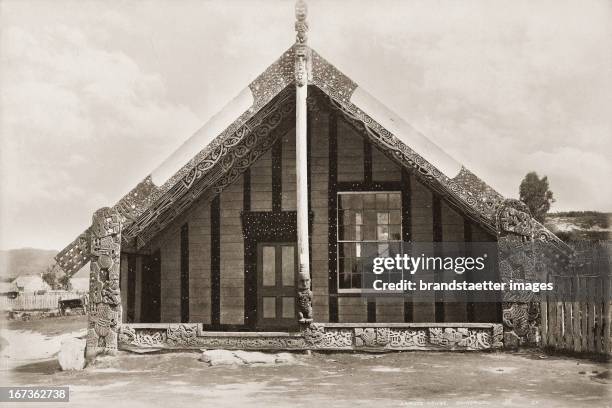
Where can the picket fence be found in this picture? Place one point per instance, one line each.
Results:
(580, 320)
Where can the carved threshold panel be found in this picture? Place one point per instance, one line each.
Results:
(330, 336)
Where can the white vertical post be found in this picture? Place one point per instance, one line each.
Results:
(302, 55)
(302, 202)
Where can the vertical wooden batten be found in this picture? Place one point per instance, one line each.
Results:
(185, 273)
(407, 234)
(436, 209)
(332, 218)
(277, 176)
(131, 288)
(215, 262)
(467, 238)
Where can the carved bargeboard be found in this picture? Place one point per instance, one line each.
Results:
(223, 167)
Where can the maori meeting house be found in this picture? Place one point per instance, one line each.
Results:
(247, 236)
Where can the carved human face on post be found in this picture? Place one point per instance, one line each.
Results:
(105, 298)
(301, 26)
(513, 216)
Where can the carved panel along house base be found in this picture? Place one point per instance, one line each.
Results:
(329, 336)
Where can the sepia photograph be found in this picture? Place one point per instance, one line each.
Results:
(288, 203)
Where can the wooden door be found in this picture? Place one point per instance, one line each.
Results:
(276, 285)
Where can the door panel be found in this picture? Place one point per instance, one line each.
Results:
(276, 285)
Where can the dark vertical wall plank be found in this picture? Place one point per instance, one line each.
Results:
(436, 210)
(406, 207)
(250, 271)
(277, 176)
(246, 199)
(250, 282)
(372, 311)
(467, 238)
(407, 233)
(250, 274)
(367, 162)
(333, 217)
(215, 262)
(156, 286)
(131, 288)
(185, 273)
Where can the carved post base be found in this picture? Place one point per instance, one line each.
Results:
(104, 294)
(521, 324)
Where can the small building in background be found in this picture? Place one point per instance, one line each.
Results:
(7, 289)
(29, 284)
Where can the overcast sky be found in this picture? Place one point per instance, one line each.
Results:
(95, 94)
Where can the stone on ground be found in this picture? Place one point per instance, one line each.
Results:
(220, 357)
(240, 357)
(284, 358)
(255, 357)
(72, 354)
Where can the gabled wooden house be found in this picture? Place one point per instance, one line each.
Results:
(239, 239)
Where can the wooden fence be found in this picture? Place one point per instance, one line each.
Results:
(578, 318)
(30, 301)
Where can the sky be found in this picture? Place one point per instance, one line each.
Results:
(95, 94)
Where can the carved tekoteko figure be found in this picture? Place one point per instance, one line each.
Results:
(514, 217)
(304, 299)
(301, 25)
(105, 300)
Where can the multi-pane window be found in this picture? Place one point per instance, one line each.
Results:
(369, 225)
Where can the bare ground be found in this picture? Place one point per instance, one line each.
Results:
(342, 379)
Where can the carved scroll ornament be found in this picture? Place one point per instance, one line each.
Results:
(317, 337)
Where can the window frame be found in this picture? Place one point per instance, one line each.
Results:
(338, 242)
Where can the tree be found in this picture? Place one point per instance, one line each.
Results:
(535, 194)
(55, 277)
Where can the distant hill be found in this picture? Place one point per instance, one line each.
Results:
(580, 225)
(24, 261)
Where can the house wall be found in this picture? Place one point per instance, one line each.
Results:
(339, 160)
(319, 205)
(168, 243)
(455, 306)
(422, 227)
(232, 255)
(261, 183)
